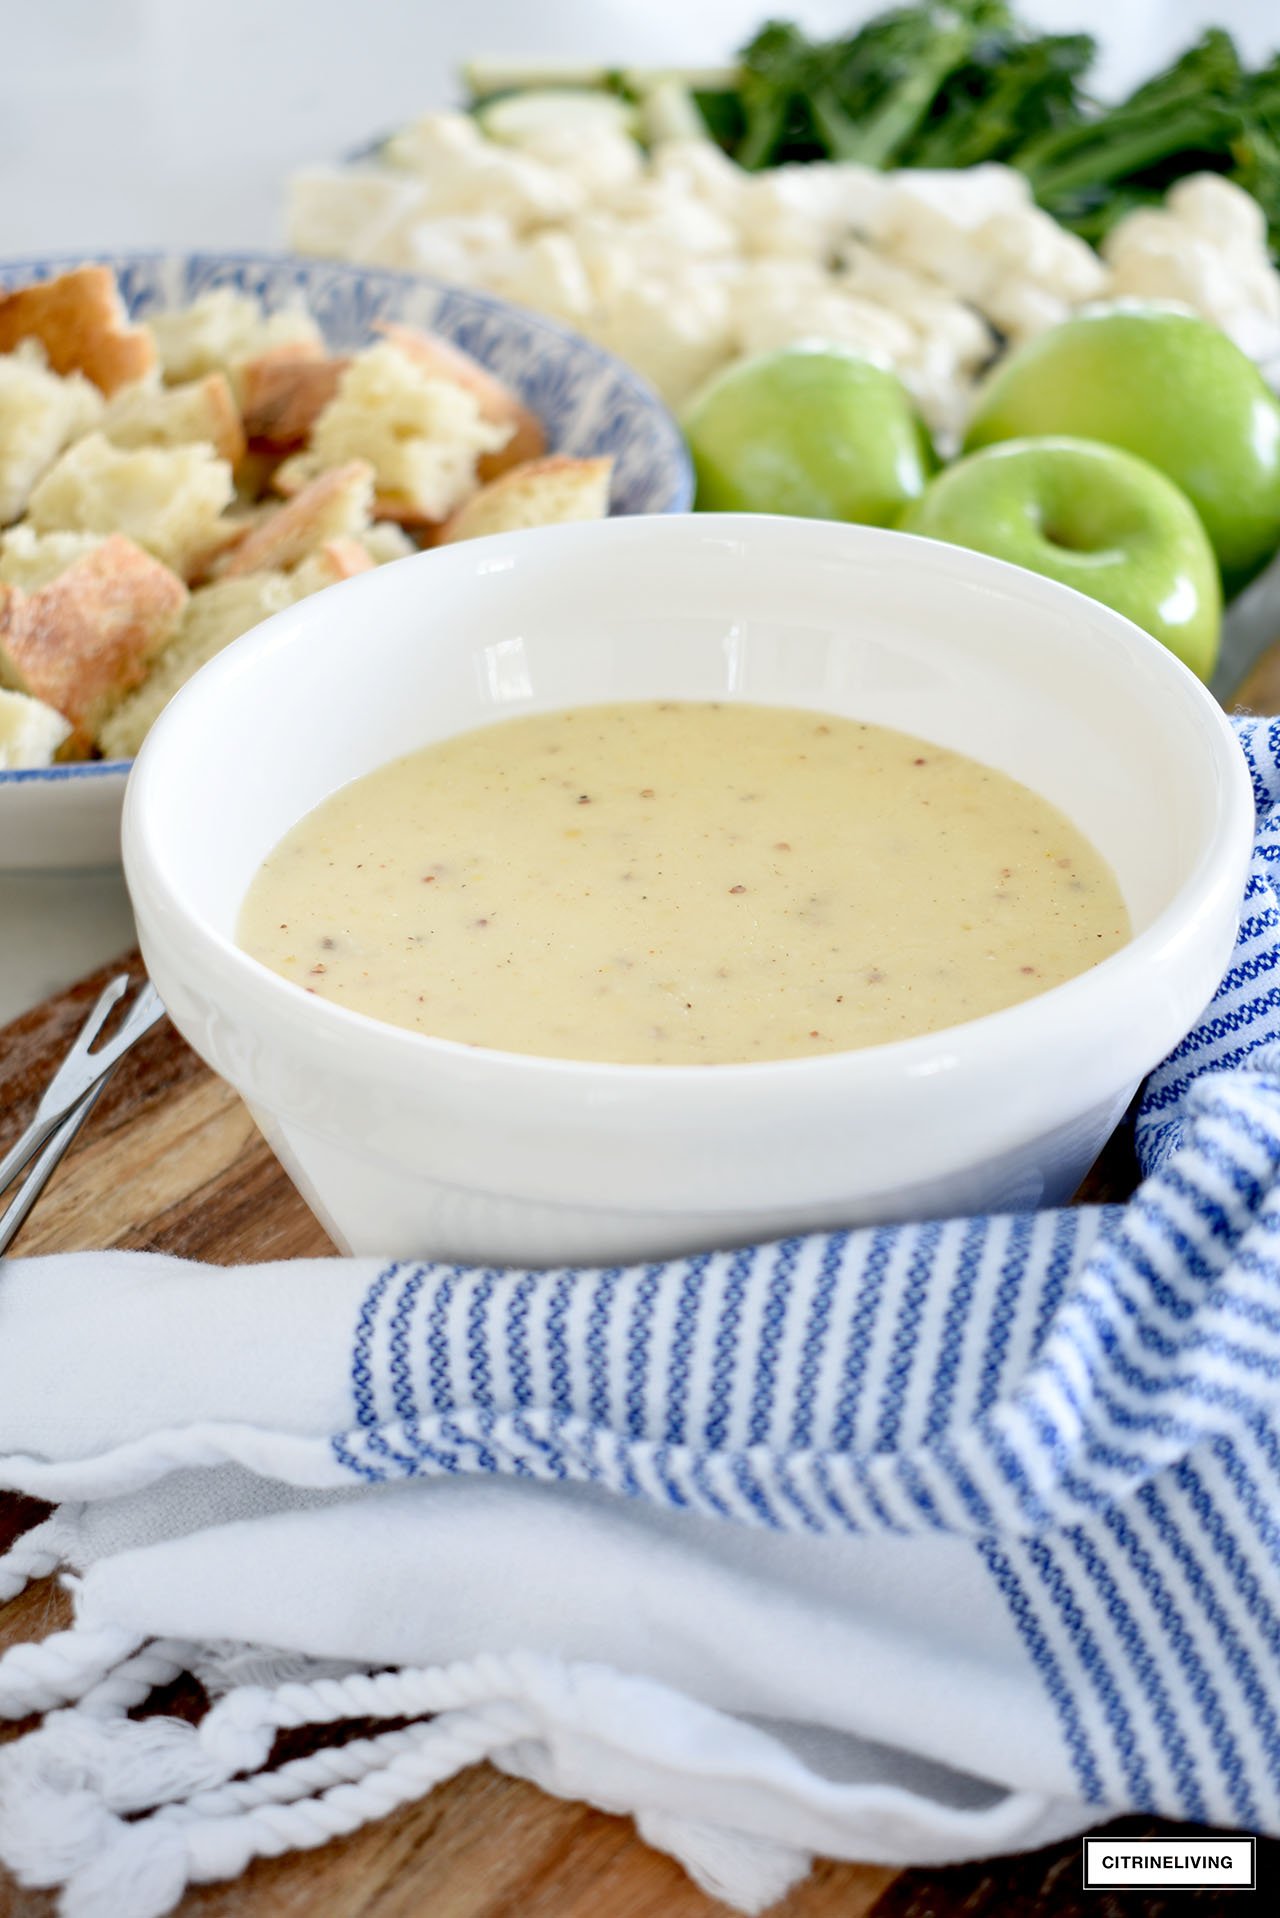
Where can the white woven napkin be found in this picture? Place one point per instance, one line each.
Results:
(906, 1545)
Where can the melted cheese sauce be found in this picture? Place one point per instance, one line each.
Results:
(667, 884)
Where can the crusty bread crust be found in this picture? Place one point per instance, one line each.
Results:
(203, 409)
(80, 321)
(283, 392)
(169, 499)
(336, 560)
(421, 434)
(87, 638)
(222, 416)
(335, 505)
(497, 403)
(545, 492)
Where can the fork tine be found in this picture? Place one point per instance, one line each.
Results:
(146, 1009)
(80, 1068)
(111, 995)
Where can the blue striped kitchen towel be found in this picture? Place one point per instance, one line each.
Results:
(925, 1541)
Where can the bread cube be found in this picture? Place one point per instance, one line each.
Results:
(221, 329)
(547, 492)
(385, 541)
(284, 391)
(85, 640)
(153, 415)
(167, 499)
(498, 404)
(30, 560)
(80, 321)
(214, 616)
(335, 505)
(421, 435)
(30, 732)
(40, 414)
(336, 560)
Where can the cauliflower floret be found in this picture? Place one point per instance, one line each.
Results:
(1021, 309)
(1030, 245)
(698, 170)
(436, 143)
(945, 401)
(676, 330)
(1222, 211)
(40, 414)
(930, 310)
(806, 211)
(978, 230)
(655, 221)
(463, 172)
(421, 435)
(784, 316)
(926, 216)
(548, 274)
(1205, 251)
(469, 249)
(603, 160)
(354, 213)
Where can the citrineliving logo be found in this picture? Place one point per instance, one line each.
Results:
(1231, 1863)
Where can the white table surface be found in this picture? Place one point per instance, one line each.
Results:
(133, 123)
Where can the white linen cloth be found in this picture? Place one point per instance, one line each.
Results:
(911, 1544)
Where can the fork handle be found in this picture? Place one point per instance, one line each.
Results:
(24, 1148)
(14, 1216)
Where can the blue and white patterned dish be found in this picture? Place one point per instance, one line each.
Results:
(589, 402)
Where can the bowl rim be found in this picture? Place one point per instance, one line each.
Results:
(1216, 879)
(45, 264)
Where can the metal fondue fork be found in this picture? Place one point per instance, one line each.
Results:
(69, 1098)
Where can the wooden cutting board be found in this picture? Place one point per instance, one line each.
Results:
(170, 1162)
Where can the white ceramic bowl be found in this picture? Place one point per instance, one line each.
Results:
(589, 402)
(406, 1145)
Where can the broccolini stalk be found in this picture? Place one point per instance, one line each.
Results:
(879, 139)
(1190, 107)
(1004, 96)
(860, 98)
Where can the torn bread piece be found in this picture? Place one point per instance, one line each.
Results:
(214, 616)
(85, 640)
(168, 499)
(284, 391)
(80, 321)
(30, 732)
(40, 414)
(30, 560)
(153, 415)
(335, 505)
(498, 403)
(546, 492)
(336, 560)
(221, 329)
(385, 541)
(421, 435)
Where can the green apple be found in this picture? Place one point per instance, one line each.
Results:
(814, 431)
(1169, 387)
(1095, 518)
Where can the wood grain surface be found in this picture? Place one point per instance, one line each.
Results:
(170, 1161)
